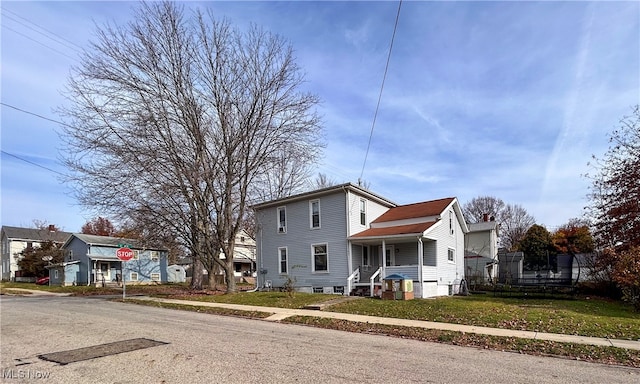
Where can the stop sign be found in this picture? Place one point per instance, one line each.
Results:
(124, 254)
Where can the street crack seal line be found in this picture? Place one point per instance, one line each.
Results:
(101, 350)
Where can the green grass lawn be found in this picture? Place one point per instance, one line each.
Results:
(587, 317)
(265, 299)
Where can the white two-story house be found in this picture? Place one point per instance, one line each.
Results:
(344, 239)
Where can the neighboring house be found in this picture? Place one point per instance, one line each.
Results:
(481, 252)
(17, 239)
(244, 255)
(345, 239)
(244, 258)
(91, 260)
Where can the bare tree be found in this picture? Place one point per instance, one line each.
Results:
(514, 224)
(172, 119)
(322, 181)
(475, 209)
(513, 218)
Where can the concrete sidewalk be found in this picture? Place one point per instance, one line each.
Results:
(282, 313)
(33, 292)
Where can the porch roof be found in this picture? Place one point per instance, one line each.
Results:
(398, 230)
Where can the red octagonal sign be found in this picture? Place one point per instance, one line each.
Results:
(124, 254)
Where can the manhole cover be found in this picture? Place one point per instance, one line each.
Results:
(101, 350)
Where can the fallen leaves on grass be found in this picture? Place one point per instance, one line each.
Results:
(597, 354)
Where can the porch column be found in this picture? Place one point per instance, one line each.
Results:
(420, 264)
(384, 260)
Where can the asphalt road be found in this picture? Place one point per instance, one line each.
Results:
(204, 348)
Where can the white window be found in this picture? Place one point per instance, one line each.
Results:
(283, 265)
(133, 276)
(451, 255)
(363, 212)
(365, 255)
(314, 213)
(136, 255)
(155, 277)
(282, 220)
(320, 258)
(154, 256)
(55, 273)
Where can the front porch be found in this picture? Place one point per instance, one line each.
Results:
(372, 285)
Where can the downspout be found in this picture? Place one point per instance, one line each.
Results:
(349, 256)
(420, 265)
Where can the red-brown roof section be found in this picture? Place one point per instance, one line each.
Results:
(395, 230)
(412, 211)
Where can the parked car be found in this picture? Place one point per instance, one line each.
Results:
(43, 281)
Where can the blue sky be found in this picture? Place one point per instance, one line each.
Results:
(507, 99)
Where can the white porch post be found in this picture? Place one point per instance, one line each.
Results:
(384, 260)
(420, 264)
(349, 267)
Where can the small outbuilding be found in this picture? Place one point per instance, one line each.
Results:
(397, 287)
(176, 274)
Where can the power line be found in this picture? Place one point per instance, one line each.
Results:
(384, 77)
(47, 33)
(35, 114)
(39, 42)
(33, 163)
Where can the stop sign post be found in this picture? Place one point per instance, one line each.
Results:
(125, 254)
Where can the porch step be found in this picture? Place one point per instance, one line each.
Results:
(360, 291)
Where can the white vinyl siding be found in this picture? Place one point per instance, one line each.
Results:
(320, 257)
(314, 214)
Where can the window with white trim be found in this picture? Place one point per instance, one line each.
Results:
(136, 255)
(133, 276)
(282, 220)
(283, 260)
(451, 255)
(363, 212)
(155, 277)
(314, 213)
(320, 258)
(154, 255)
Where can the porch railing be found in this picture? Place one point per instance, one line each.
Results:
(372, 280)
(411, 271)
(353, 278)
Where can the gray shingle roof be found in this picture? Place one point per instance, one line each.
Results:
(115, 241)
(34, 234)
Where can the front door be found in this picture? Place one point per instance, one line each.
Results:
(105, 271)
(390, 257)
